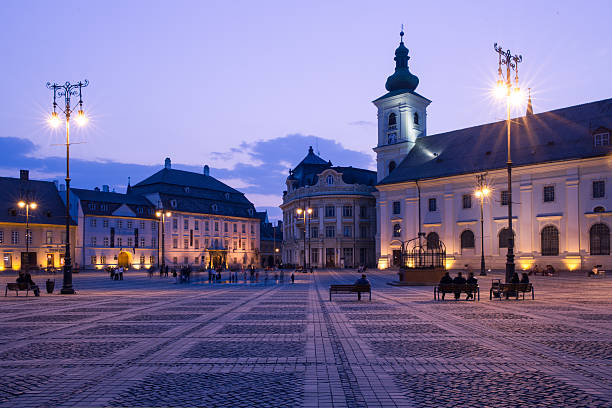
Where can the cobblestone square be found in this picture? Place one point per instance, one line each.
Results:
(154, 343)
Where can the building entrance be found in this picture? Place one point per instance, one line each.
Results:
(330, 257)
(397, 257)
(123, 259)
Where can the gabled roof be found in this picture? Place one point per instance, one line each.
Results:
(114, 201)
(50, 207)
(558, 135)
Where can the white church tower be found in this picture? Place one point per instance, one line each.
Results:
(402, 115)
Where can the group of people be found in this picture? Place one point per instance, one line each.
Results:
(548, 271)
(116, 273)
(459, 280)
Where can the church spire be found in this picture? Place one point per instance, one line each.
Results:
(529, 105)
(402, 79)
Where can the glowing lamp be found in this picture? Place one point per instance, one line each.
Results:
(21, 204)
(485, 191)
(309, 211)
(299, 211)
(478, 193)
(158, 213)
(54, 120)
(516, 97)
(81, 119)
(33, 206)
(500, 89)
(168, 213)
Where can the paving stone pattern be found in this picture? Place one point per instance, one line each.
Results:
(145, 342)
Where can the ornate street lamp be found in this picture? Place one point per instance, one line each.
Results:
(161, 214)
(27, 205)
(482, 192)
(66, 91)
(302, 212)
(512, 93)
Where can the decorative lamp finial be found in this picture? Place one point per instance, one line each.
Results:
(402, 34)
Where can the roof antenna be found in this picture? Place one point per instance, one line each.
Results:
(402, 34)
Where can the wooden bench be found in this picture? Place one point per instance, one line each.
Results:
(510, 289)
(16, 287)
(350, 289)
(453, 288)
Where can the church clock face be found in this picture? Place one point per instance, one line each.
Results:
(391, 138)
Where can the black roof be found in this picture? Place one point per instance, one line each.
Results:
(306, 173)
(558, 135)
(194, 192)
(114, 201)
(50, 207)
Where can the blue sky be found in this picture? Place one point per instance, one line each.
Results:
(246, 87)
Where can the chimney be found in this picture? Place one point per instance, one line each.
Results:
(206, 170)
(167, 163)
(97, 189)
(24, 175)
(105, 188)
(62, 187)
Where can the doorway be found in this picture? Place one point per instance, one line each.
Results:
(330, 257)
(123, 259)
(50, 259)
(397, 257)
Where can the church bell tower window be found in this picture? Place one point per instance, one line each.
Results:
(416, 118)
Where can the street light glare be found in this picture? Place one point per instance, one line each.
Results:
(21, 204)
(309, 211)
(54, 120)
(299, 211)
(33, 206)
(158, 214)
(81, 119)
(168, 214)
(485, 191)
(500, 89)
(516, 96)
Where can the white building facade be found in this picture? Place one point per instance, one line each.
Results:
(562, 170)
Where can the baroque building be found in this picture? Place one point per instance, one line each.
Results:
(328, 215)
(562, 170)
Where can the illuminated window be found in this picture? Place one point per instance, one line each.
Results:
(397, 230)
(94, 260)
(550, 241)
(142, 260)
(15, 237)
(599, 235)
(103, 259)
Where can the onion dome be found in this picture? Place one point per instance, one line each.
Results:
(402, 79)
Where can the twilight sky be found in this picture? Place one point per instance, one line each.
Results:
(247, 86)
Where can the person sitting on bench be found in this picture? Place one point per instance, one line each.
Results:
(514, 280)
(550, 271)
(363, 281)
(446, 280)
(459, 280)
(25, 277)
(471, 280)
(524, 278)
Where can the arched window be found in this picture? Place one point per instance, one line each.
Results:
(467, 239)
(600, 239)
(550, 241)
(416, 118)
(433, 241)
(397, 229)
(391, 166)
(504, 238)
(392, 119)
(330, 179)
(599, 209)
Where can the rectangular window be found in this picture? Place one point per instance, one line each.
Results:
(106, 242)
(363, 230)
(195, 260)
(397, 207)
(599, 189)
(152, 260)
(601, 139)
(103, 207)
(153, 242)
(174, 243)
(226, 227)
(186, 243)
(130, 242)
(119, 224)
(174, 223)
(348, 231)
(205, 225)
(92, 222)
(504, 197)
(130, 224)
(8, 261)
(15, 237)
(252, 229)
(314, 256)
(216, 226)
(186, 223)
(120, 242)
(94, 260)
(103, 259)
(185, 260)
(330, 231)
(433, 205)
(196, 225)
(467, 201)
(142, 242)
(154, 226)
(29, 237)
(197, 244)
(314, 232)
(105, 223)
(363, 211)
(235, 227)
(549, 194)
(206, 243)
(315, 212)
(330, 211)
(142, 260)
(142, 225)
(235, 244)
(49, 237)
(243, 228)
(347, 211)
(94, 241)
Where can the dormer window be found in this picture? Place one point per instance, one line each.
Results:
(186, 189)
(329, 180)
(391, 166)
(215, 207)
(173, 203)
(227, 196)
(250, 211)
(601, 139)
(416, 118)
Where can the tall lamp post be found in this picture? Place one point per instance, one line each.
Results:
(27, 205)
(66, 91)
(161, 214)
(482, 192)
(508, 88)
(302, 212)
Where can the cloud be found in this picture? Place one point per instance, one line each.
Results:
(258, 169)
(366, 123)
